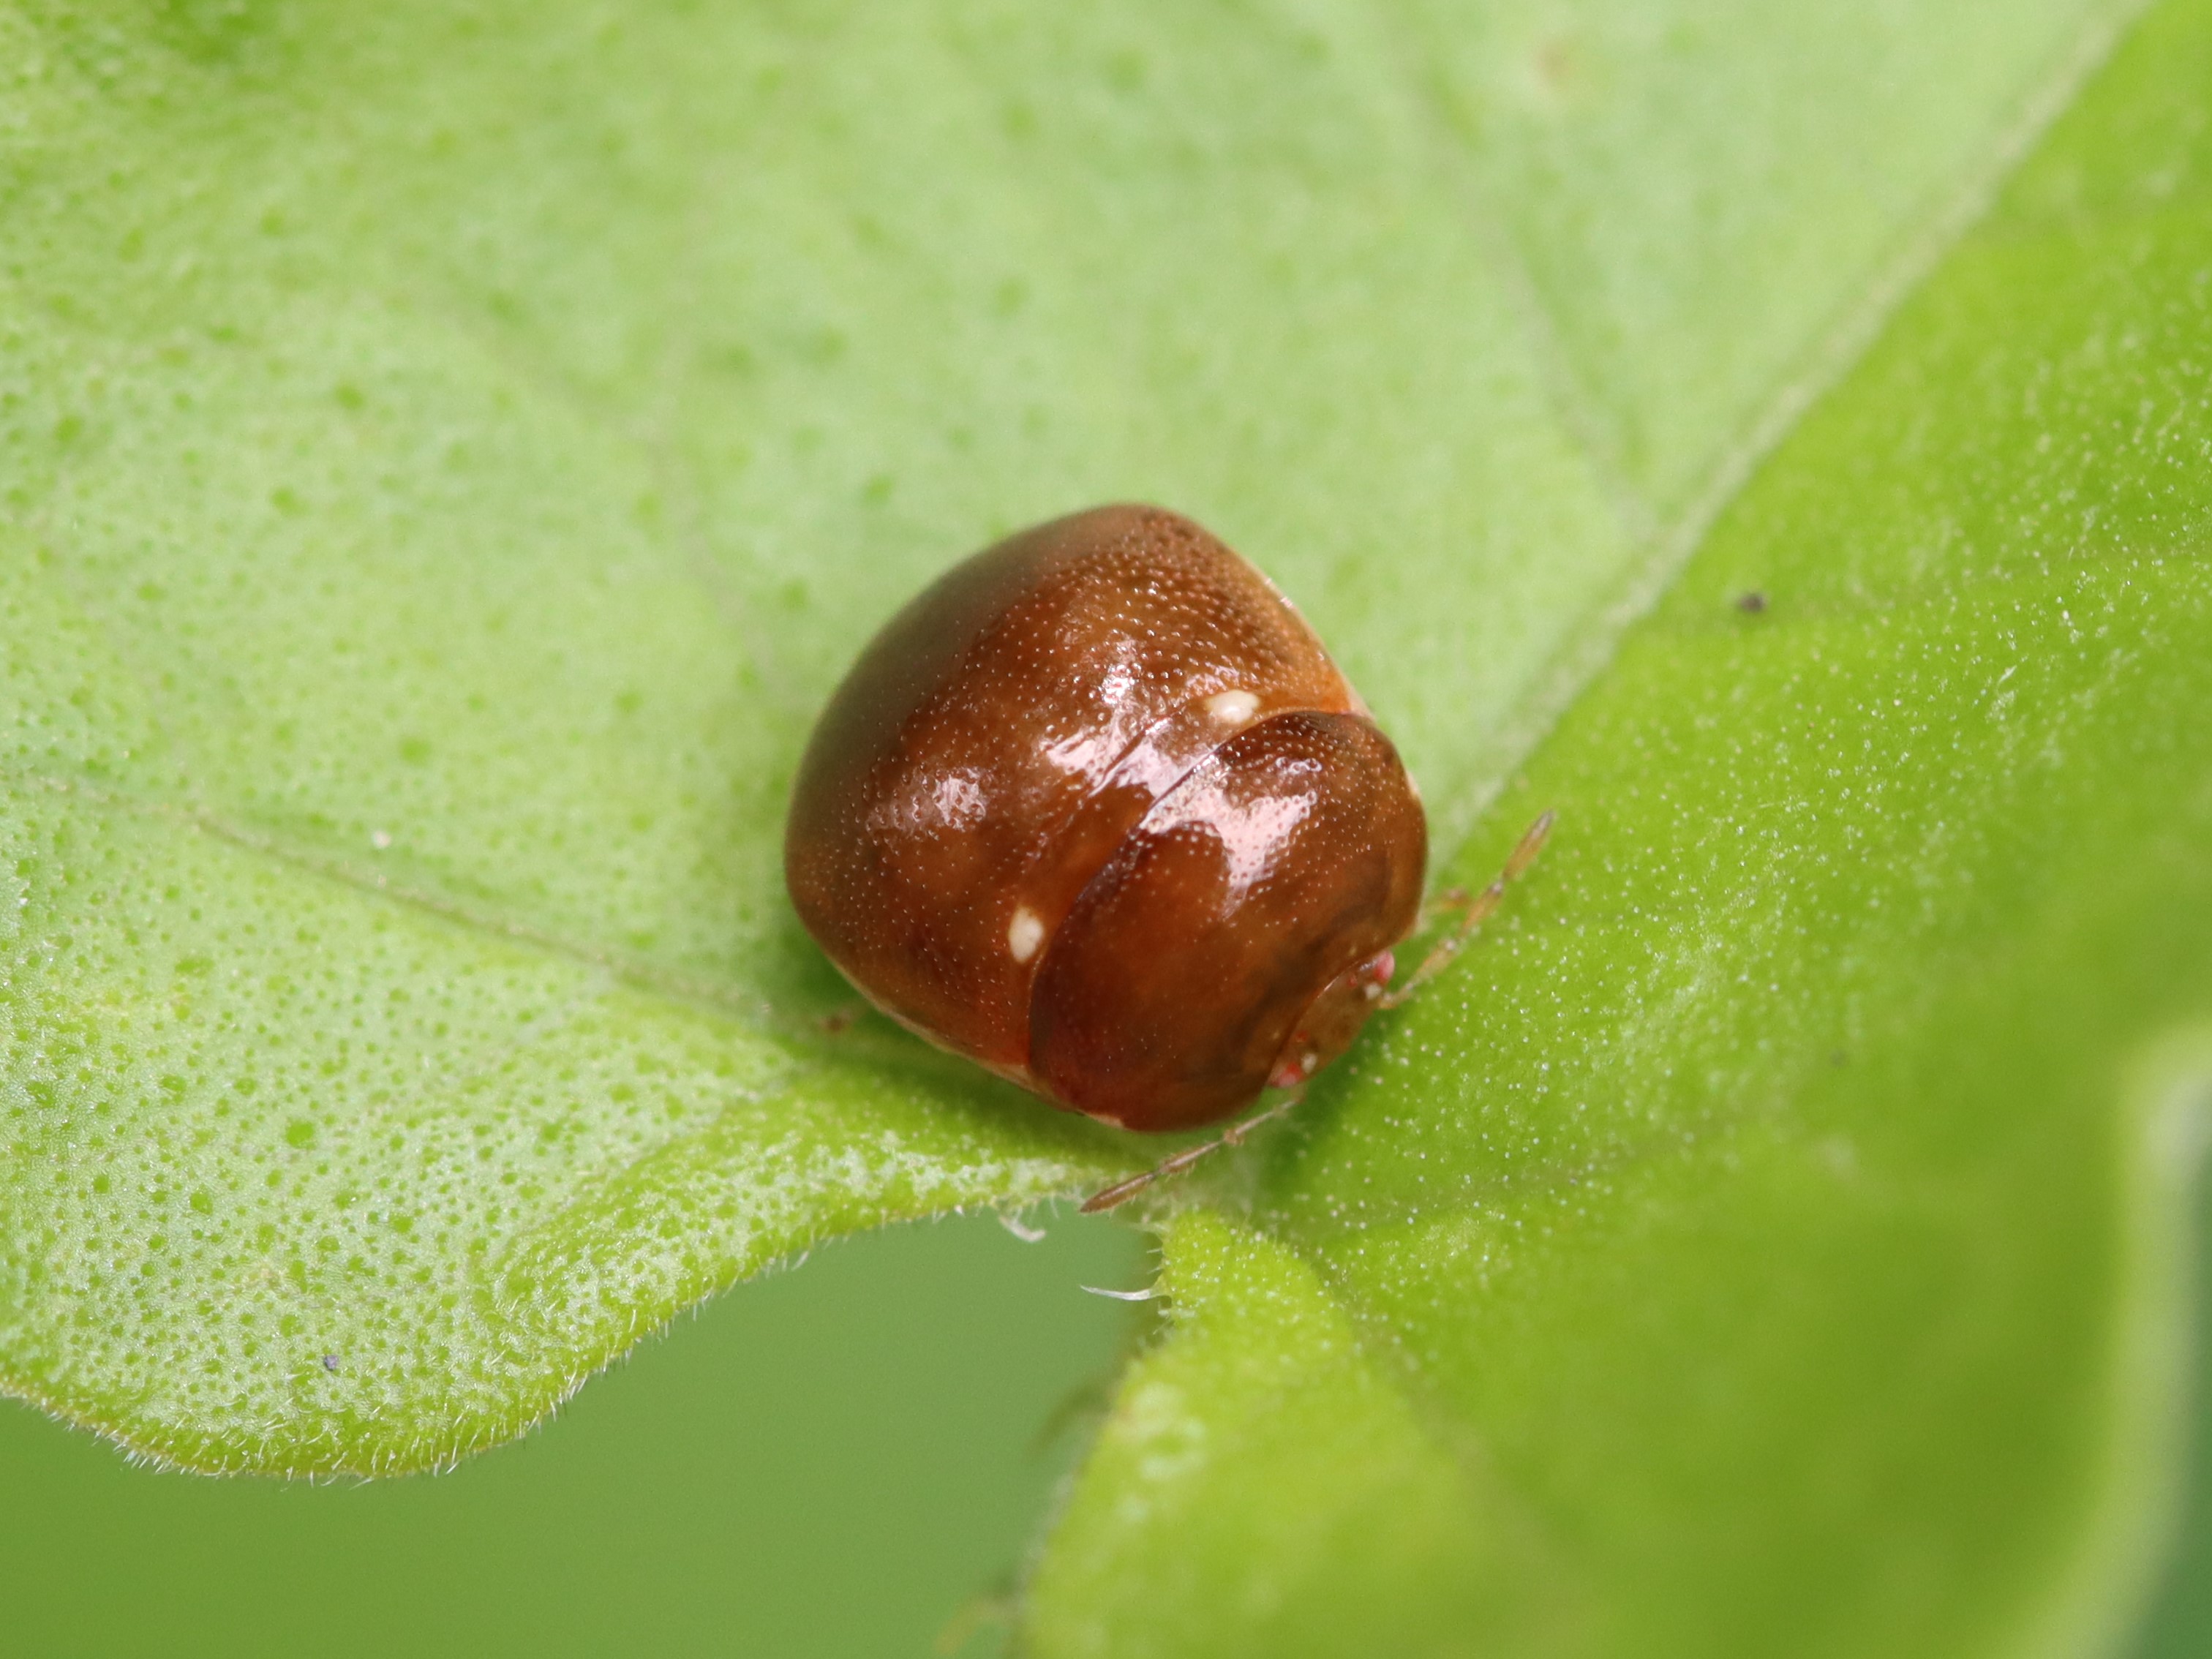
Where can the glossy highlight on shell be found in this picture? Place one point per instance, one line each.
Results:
(1096, 811)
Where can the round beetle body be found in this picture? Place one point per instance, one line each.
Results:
(1096, 811)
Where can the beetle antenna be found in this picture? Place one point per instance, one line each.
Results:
(1474, 911)
(1121, 1191)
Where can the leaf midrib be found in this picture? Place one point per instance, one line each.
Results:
(1666, 547)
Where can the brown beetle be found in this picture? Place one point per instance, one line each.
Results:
(1096, 811)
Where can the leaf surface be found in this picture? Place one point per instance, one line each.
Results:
(1771, 1237)
(450, 452)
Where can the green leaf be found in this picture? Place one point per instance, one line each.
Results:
(449, 453)
(1771, 1237)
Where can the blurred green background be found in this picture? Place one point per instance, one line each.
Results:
(828, 1461)
(2178, 1625)
(836, 1460)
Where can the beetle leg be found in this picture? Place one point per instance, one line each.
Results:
(1106, 1197)
(1473, 912)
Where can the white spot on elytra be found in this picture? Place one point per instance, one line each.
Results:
(1025, 933)
(1233, 707)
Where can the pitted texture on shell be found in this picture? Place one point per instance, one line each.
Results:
(987, 752)
(1289, 854)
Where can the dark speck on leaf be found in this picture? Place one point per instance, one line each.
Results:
(1751, 603)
